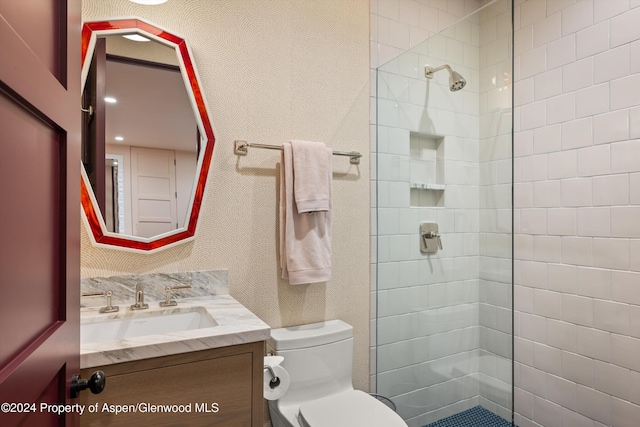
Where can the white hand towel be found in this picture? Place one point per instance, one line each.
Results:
(312, 175)
(305, 240)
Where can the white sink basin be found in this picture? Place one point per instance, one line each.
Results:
(138, 324)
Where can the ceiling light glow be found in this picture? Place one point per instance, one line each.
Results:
(119, 138)
(136, 37)
(110, 99)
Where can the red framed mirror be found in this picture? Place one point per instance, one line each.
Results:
(138, 212)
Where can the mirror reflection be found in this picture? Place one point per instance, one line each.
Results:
(141, 163)
(141, 141)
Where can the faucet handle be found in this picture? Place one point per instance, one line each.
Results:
(108, 308)
(168, 302)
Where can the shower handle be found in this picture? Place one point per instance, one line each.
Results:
(433, 235)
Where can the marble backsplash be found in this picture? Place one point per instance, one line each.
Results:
(203, 284)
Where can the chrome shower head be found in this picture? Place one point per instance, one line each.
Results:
(456, 81)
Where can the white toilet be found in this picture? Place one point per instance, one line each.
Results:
(319, 359)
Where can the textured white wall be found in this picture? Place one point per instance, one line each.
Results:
(271, 71)
(577, 199)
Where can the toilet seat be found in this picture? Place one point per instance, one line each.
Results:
(347, 409)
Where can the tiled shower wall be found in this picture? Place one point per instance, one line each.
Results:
(495, 208)
(577, 199)
(428, 322)
(397, 26)
(443, 338)
(577, 193)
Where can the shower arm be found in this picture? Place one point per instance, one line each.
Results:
(429, 71)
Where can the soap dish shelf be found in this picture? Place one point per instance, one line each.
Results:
(423, 186)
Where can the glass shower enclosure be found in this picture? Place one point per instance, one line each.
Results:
(444, 218)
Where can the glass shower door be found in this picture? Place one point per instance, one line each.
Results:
(444, 222)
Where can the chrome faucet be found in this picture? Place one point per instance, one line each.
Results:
(139, 305)
(108, 308)
(168, 302)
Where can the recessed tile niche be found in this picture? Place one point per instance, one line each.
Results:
(427, 170)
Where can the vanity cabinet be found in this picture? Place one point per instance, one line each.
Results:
(219, 387)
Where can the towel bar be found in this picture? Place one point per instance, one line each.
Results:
(241, 148)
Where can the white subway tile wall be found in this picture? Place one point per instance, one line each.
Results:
(577, 191)
(577, 302)
(444, 321)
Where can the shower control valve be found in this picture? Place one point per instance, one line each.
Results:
(430, 239)
(434, 235)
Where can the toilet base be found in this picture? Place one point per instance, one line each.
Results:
(277, 420)
(345, 409)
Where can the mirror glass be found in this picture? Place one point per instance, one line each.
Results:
(147, 140)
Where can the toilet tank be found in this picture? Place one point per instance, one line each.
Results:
(318, 358)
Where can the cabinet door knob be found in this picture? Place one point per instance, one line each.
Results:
(95, 383)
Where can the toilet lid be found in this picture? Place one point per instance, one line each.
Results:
(348, 409)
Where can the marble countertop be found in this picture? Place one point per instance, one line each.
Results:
(236, 325)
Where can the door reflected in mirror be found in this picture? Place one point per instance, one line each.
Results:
(114, 194)
(147, 140)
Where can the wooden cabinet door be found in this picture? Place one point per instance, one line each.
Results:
(40, 217)
(214, 392)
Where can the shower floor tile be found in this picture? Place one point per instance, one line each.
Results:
(474, 417)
